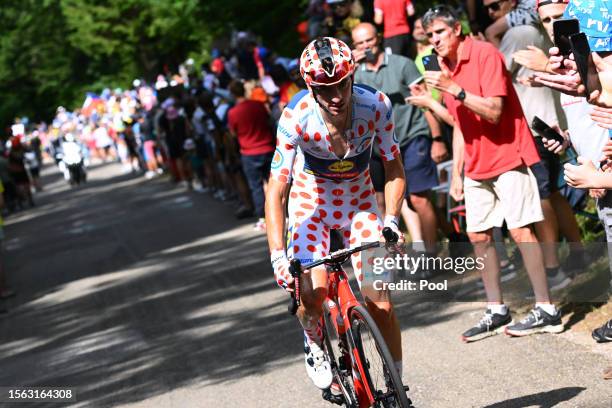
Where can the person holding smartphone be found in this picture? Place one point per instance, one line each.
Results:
(492, 151)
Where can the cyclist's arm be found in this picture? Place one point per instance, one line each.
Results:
(280, 180)
(395, 182)
(395, 185)
(275, 213)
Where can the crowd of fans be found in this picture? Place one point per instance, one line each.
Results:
(213, 128)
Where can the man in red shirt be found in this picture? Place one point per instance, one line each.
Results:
(393, 14)
(249, 122)
(492, 143)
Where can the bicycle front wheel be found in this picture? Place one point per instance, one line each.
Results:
(381, 375)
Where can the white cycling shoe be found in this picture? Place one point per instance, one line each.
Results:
(317, 366)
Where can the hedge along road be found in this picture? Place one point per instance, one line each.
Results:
(137, 293)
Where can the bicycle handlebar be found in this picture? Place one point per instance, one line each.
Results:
(340, 256)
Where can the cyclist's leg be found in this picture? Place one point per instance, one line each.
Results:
(309, 240)
(366, 226)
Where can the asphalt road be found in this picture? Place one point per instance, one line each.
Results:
(137, 293)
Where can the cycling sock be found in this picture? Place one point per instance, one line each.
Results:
(313, 333)
(547, 307)
(498, 309)
(398, 366)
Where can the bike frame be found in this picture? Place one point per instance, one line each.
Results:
(341, 296)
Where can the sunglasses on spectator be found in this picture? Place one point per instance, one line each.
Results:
(495, 6)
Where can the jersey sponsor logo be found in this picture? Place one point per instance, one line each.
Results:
(341, 166)
(364, 144)
(277, 160)
(284, 131)
(366, 106)
(335, 169)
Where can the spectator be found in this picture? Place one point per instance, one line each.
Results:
(522, 13)
(249, 123)
(344, 17)
(5, 291)
(175, 128)
(18, 172)
(587, 138)
(491, 139)
(393, 15)
(541, 102)
(147, 131)
(391, 74)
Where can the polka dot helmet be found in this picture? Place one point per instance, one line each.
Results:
(326, 61)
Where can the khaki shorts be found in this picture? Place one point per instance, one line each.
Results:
(512, 196)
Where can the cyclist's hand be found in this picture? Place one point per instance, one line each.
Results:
(280, 264)
(393, 223)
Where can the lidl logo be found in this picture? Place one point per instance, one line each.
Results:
(341, 166)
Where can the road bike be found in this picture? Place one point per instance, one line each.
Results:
(363, 368)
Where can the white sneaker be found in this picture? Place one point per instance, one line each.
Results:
(317, 366)
(150, 174)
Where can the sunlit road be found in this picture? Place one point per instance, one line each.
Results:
(138, 293)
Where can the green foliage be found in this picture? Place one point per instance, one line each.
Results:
(52, 51)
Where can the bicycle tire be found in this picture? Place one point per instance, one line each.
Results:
(331, 339)
(360, 319)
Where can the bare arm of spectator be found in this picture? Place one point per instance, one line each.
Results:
(585, 175)
(456, 187)
(439, 153)
(603, 98)
(422, 98)
(533, 58)
(488, 108)
(564, 76)
(378, 16)
(554, 146)
(410, 9)
(603, 117)
(496, 31)
(471, 7)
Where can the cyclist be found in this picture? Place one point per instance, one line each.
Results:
(324, 142)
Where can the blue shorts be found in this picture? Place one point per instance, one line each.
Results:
(421, 171)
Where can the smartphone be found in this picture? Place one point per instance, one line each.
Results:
(416, 81)
(562, 30)
(584, 61)
(431, 63)
(369, 56)
(546, 131)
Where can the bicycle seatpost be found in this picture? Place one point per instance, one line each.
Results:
(295, 269)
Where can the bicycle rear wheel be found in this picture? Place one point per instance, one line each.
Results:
(380, 372)
(342, 375)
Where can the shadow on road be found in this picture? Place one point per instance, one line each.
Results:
(546, 399)
(129, 289)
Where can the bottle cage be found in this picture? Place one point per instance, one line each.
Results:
(326, 56)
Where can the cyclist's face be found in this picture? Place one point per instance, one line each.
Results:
(334, 98)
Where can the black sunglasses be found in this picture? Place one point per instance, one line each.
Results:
(495, 6)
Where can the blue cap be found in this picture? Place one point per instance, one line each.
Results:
(595, 21)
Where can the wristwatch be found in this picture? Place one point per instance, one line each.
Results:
(437, 138)
(461, 95)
